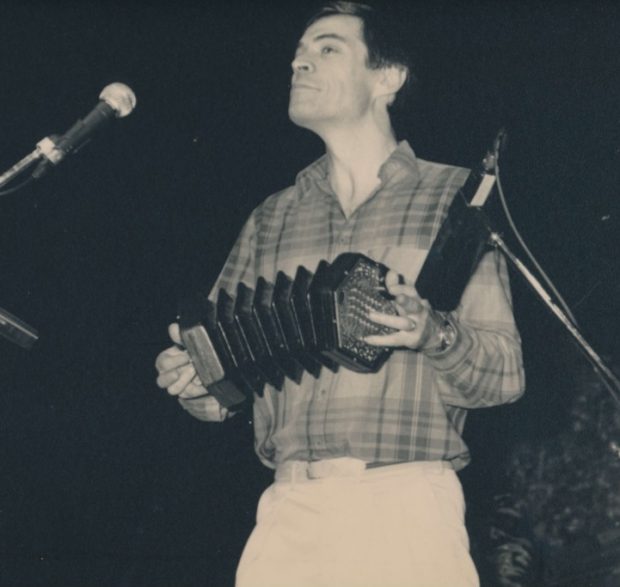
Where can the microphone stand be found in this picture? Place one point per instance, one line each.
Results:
(11, 327)
(45, 148)
(611, 382)
(490, 177)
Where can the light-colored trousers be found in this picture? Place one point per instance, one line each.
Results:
(335, 523)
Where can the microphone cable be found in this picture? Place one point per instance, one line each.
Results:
(18, 187)
(605, 374)
(513, 227)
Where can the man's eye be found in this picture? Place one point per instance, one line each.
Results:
(328, 49)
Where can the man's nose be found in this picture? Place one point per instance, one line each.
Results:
(302, 64)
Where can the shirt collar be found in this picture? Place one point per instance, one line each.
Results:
(401, 166)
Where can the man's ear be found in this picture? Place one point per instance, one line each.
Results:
(391, 80)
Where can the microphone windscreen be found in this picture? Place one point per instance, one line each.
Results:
(120, 97)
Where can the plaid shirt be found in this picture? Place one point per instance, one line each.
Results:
(415, 407)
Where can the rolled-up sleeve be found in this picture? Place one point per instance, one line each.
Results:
(484, 365)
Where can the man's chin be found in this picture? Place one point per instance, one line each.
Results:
(300, 118)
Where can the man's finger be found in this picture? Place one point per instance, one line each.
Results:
(171, 359)
(393, 278)
(396, 322)
(167, 378)
(186, 374)
(409, 304)
(175, 333)
(401, 338)
(193, 390)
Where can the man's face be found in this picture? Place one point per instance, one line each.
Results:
(332, 86)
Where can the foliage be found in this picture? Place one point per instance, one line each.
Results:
(562, 514)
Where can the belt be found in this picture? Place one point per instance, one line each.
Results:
(300, 471)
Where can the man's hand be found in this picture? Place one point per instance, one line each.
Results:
(176, 372)
(417, 325)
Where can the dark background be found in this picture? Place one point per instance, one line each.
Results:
(105, 480)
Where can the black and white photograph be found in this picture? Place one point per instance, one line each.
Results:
(310, 294)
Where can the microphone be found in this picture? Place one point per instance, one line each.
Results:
(462, 237)
(115, 101)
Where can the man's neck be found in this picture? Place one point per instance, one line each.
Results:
(354, 159)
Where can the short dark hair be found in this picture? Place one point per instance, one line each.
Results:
(382, 34)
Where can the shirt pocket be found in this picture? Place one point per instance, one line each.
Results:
(405, 260)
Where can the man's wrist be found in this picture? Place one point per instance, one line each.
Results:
(206, 408)
(447, 334)
(444, 333)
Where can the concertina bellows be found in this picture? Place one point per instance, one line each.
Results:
(280, 330)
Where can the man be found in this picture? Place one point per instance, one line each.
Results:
(365, 490)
